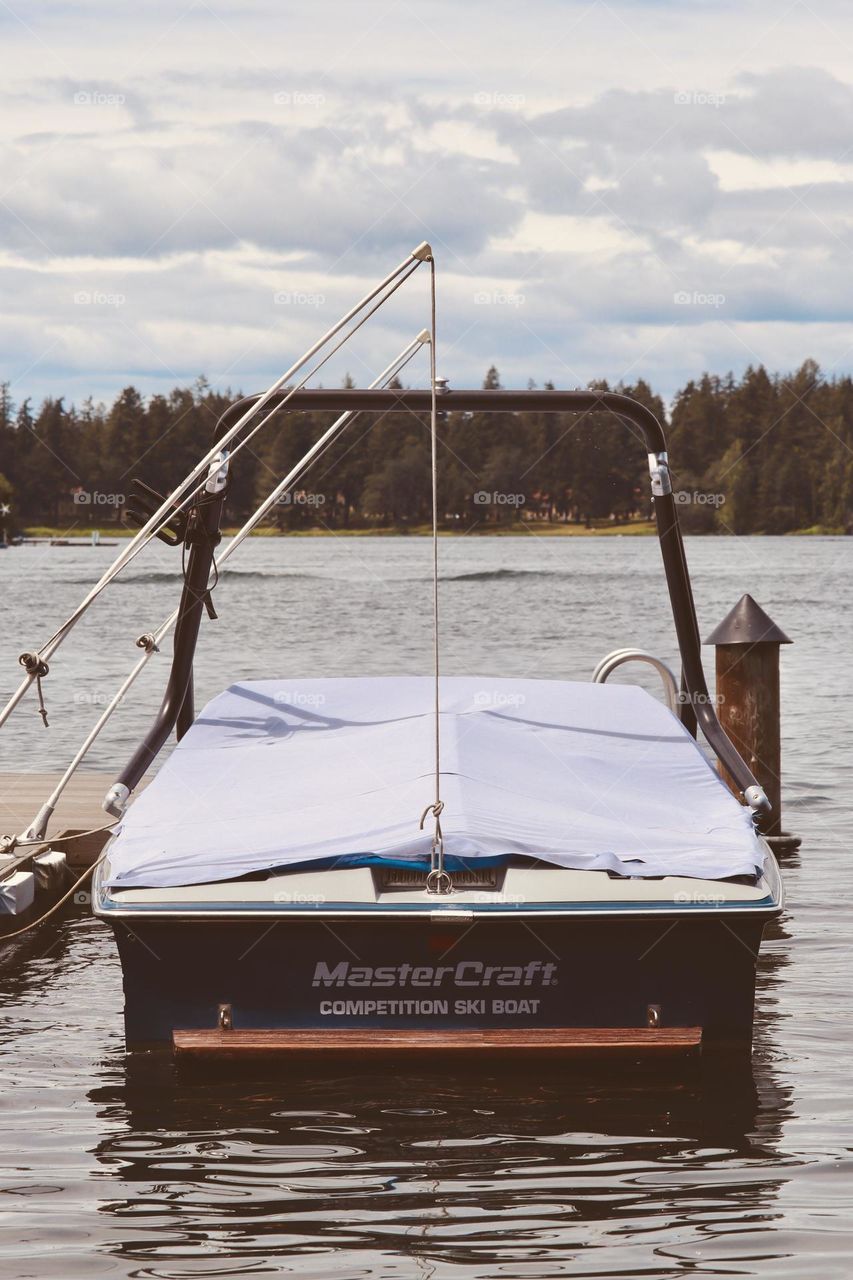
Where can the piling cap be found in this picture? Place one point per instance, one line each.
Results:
(747, 623)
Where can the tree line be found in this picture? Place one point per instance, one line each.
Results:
(763, 453)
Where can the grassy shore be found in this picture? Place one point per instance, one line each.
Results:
(518, 529)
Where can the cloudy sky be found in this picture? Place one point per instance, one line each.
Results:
(612, 189)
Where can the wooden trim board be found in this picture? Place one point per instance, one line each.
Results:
(524, 1042)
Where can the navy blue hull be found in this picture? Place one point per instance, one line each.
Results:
(556, 972)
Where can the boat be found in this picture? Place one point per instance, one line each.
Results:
(408, 866)
(272, 878)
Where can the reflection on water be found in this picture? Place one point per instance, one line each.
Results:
(444, 1173)
(453, 1172)
(546, 1173)
(121, 1167)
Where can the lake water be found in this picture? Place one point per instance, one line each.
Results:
(116, 1166)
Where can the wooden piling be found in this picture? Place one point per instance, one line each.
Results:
(747, 645)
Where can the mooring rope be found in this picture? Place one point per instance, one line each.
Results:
(438, 881)
(8, 845)
(6, 937)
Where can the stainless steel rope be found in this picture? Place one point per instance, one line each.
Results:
(438, 881)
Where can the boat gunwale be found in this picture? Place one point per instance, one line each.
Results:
(768, 907)
(771, 906)
(104, 902)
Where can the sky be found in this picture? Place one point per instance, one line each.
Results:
(612, 190)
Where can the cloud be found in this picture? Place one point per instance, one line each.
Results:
(319, 187)
(222, 162)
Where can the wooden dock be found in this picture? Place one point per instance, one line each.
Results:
(22, 794)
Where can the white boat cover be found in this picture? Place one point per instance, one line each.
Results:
(275, 773)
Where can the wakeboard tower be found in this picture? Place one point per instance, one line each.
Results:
(422, 865)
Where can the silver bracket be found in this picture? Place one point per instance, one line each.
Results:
(757, 800)
(115, 801)
(217, 474)
(653, 1015)
(659, 472)
(226, 1022)
(439, 881)
(38, 829)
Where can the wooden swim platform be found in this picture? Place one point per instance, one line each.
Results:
(318, 1044)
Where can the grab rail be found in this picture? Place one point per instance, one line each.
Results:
(618, 657)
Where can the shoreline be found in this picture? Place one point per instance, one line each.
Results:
(634, 529)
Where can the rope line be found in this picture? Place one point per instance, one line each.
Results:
(42, 709)
(8, 844)
(60, 902)
(438, 881)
